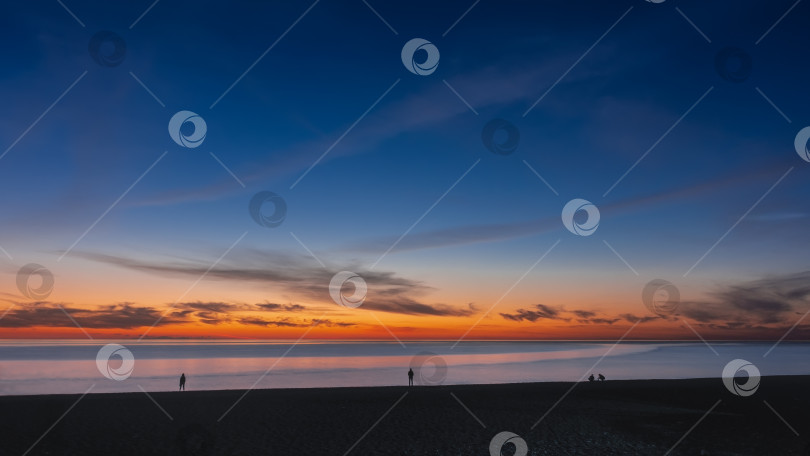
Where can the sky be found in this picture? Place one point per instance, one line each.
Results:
(439, 181)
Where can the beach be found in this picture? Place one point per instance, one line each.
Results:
(615, 417)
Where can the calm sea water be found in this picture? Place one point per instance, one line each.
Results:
(47, 367)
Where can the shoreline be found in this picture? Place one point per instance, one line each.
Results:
(399, 387)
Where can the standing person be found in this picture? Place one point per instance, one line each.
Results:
(410, 377)
(182, 381)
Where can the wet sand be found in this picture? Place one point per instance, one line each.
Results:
(614, 418)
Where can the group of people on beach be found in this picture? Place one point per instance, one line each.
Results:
(590, 379)
(410, 379)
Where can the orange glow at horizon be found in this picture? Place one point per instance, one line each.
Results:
(323, 319)
(447, 328)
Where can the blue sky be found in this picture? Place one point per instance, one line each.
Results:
(419, 139)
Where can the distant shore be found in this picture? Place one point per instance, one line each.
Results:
(614, 417)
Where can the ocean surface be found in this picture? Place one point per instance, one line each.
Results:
(70, 366)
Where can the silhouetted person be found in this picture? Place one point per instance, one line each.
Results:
(601, 378)
(590, 379)
(182, 381)
(410, 377)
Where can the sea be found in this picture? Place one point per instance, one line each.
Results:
(79, 366)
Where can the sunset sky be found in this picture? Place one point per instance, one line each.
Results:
(452, 239)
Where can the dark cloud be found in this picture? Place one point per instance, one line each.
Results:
(403, 305)
(214, 313)
(330, 323)
(603, 321)
(286, 322)
(281, 307)
(213, 307)
(542, 311)
(702, 312)
(297, 275)
(123, 316)
(129, 315)
(633, 318)
(771, 304)
(282, 322)
(583, 313)
(539, 312)
(767, 301)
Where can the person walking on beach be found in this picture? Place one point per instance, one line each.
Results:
(182, 381)
(410, 377)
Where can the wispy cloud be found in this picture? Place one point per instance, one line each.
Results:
(432, 107)
(297, 275)
(494, 232)
(765, 301)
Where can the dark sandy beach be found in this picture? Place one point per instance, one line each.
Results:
(617, 417)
